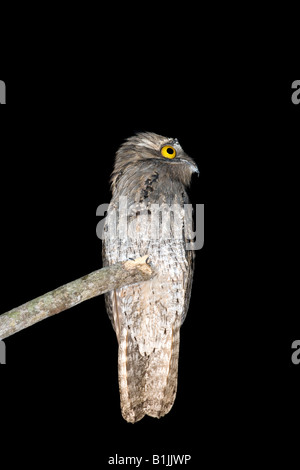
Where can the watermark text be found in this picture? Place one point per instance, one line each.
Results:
(296, 94)
(296, 354)
(151, 222)
(2, 352)
(2, 92)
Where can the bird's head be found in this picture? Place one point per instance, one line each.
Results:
(164, 153)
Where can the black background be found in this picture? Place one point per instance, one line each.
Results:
(59, 132)
(57, 162)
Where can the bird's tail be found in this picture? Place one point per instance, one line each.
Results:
(147, 383)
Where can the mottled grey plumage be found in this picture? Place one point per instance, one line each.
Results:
(147, 316)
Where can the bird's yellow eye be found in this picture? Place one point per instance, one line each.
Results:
(168, 151)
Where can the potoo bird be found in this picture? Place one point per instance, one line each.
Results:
(147, 216)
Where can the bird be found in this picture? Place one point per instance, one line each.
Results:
(149, 183)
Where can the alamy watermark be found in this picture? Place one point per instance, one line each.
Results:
(2, 352)
(151, 222)
(296, 354)
(296, 94)
(2, 92)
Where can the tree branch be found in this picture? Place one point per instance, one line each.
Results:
(71, 294)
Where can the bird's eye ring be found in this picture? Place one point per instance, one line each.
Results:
(168, 151)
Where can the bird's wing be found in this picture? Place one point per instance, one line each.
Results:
(112, 300)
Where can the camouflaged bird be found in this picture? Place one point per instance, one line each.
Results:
(149, 183)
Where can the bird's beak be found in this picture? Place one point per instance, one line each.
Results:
(193, 166)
